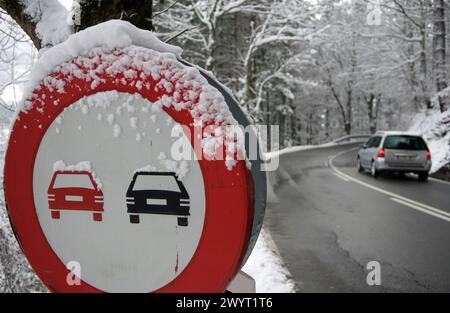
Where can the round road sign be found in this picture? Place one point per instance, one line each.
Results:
(91, 178)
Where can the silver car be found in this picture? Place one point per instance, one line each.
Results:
(395, 152)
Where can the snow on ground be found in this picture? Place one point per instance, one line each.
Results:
(4, 134)
(293, 149)
(266, 267)
(435, 128)
(277, 153)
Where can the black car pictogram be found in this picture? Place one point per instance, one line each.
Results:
(157, 193)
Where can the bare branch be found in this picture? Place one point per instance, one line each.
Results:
(16, 10)
(181, 33)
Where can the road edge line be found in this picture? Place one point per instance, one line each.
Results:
(418, 208)
(439, 180)
(341, 177)
(430, 210)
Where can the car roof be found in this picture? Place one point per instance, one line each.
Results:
(400, 133)
(156, 173)
(70, 172)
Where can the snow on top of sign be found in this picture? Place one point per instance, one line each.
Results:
(117, 130)
(108, 35)
(84, 166)
(138, 55)
(180, 168)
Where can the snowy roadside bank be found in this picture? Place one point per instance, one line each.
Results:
(266, 267)
(435, 128)
(265, 264)
(336, 142)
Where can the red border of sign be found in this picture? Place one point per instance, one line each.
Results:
(229, 196)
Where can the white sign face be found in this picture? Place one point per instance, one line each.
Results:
(109, 197)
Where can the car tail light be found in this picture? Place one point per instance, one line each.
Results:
(51, 197)
(428, 155)
(381, 153)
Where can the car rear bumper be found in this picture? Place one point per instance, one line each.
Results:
(70, 206)
(156, 209)
(381, 165)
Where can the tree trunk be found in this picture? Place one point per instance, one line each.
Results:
(412, 74)
(211, 50)
(349, 122)
(137, 12)
(327, 123)
(309, 139)
(293, 122)
(424, 58)
(439, 52)
(16, 9)
(249, 90)
(372, 111)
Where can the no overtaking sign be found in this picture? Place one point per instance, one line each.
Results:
(94, 177)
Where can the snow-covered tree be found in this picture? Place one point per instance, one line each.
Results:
(440, 68)
(284, 26)
(16, 58)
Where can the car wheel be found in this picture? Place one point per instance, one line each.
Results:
(423, 177)
(359, 166)
(134, 219)
(183, 221)
(97, 217)
(373, 170)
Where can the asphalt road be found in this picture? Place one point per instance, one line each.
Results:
(330, 221)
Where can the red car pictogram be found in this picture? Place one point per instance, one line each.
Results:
(75, 191)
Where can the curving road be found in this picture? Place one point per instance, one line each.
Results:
(330, 221)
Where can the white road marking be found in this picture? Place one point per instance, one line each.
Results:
(439, 181)
(410, 203)
(418, 208)
(341, 177)
(285, 175)
(432, 179)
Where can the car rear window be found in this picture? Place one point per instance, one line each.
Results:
(405, 142)
(73, 181)
(156, 182)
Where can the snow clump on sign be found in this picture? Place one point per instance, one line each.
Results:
(114, 34)
(180, 168)
(84, 166)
